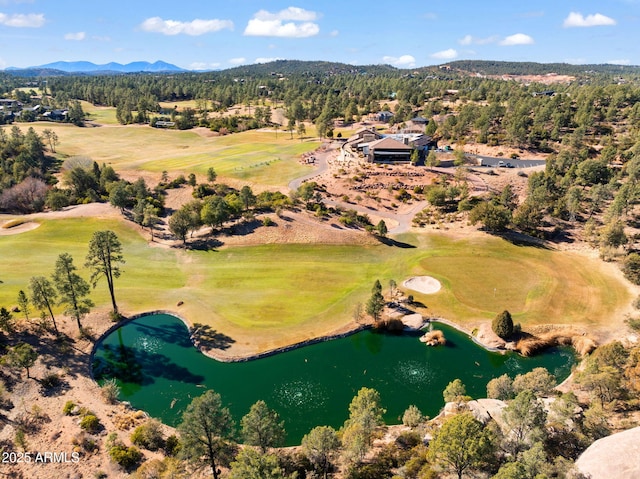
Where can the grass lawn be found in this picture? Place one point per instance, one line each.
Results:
(267, 296)
(482, 277)
(254, 156)
(104, 115)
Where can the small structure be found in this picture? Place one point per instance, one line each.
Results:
(384, 116)
(10, 105)
(165, 124)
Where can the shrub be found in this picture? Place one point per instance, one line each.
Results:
(500, 388)
(20, 440)
(412, 417)
(267, 221)
(126, 457)
(408, 439)
(110, 391)
(85, 441)
(148, 435)
(502, 325)
(90, 423)
(631, 268)
(68, 407)
(172, 445)
(51, 381)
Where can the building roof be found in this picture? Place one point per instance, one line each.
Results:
(423, 140)
(388, 144)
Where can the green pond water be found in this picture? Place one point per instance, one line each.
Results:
(160, 371)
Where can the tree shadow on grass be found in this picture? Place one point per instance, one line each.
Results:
(391, 242)
(207, 338)
(204, 244)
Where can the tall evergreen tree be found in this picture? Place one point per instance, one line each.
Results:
(205, 431)
(104, 258)
(375, 305)
(72, 289)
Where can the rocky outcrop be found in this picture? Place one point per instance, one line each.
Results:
(613, 457)
(413, 322)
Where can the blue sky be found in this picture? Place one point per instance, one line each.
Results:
(217, 34)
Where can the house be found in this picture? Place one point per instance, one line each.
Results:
(55, 115)
(384, 116)
(388, 150)
(7, 104)
(544, 93)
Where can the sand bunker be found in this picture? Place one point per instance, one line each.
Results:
(423, 284)
(21, 228)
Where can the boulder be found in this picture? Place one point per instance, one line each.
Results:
(413, 322)
(612, 457)
(485, 409)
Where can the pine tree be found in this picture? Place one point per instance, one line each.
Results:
(375, 304)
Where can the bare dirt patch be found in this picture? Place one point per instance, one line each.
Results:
(423, 284)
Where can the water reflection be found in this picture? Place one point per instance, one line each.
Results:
(160, 371)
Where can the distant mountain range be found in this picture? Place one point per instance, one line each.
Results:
(293, 67)
(92, 68)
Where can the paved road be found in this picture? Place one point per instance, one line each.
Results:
(492, 162)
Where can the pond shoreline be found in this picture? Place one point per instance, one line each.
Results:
(224, 358)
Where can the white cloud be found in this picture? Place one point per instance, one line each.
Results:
(466, 40)
(292, 22)
(266, 59)
(19, 20)
(401, 61)
(194, 28)
(99, 38)
(334, 33)
(470, 39)
(78, 36)
(517, 39)
(291, 13)
(238, 61)
(576, 19)
(449, 54)
(202, 66)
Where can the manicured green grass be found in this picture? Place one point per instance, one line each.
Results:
(150, 274)
(267, 296)
(103, 115)
(482, 277)
(252, 156)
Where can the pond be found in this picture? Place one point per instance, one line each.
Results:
(160, 371)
